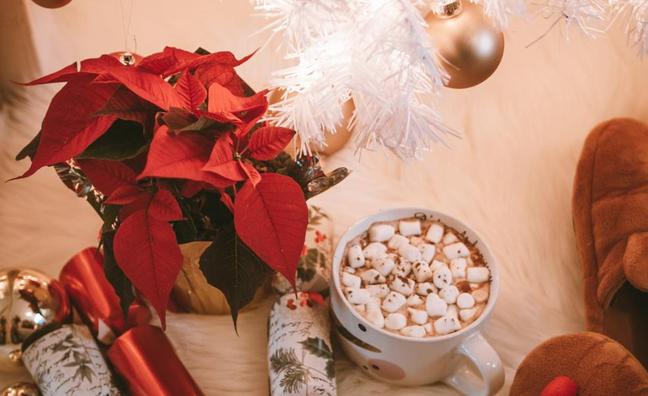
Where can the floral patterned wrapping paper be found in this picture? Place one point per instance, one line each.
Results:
(300, 353)
(67, 361)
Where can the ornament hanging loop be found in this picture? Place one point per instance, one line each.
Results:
(446, 8)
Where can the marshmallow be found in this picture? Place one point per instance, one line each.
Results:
(436, 264)
(425, 288)
(375, 250)
(403, 268)
(418, 316)
(396, 241)
(434, 233)
(360, 308)
(374, 304)
(477, 274)
(384, 265)
(414, 300)
(480, 295)
(402, 285)
(465, 300)
(409, 227)
(429, 328)
(395, 321)
(449, 294)
(351, 280)
(427, 252)
(378, 290)
(458, 267)
(358, 296)
(416, 241)
(467, 314)
(381, 232)
(355, 257)
(376, 318)
(447, 325)
(422, 271)
(435, 306)
(409, 252)
(456, 250)
(449, 238)
(393, 302)
(413, 331)
(442, 277)
(371, 277)
(452, 311)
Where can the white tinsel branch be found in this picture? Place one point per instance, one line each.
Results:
(637, 26)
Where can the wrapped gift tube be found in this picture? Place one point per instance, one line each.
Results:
(299, 346)
(95, 299)
(147, 361)
(67, 361)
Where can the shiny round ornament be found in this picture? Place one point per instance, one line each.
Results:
(469, 46)
(334, 141)
(51, 3)
(21, 389)
(29, 300)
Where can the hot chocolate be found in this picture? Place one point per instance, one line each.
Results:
(417, 278)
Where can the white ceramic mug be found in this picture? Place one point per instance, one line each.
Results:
(463, 359)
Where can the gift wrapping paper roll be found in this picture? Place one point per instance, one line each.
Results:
(67, 361)
(145, 358)
(299, 347)
(95, 299)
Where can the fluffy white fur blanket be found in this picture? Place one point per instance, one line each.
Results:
(510, 176)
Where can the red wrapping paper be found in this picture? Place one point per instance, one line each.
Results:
(94, 297)
(145, 358)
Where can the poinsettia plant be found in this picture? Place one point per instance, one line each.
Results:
(169, 149)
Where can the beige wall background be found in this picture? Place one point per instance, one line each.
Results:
(509, 176)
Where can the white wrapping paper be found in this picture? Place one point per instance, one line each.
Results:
(67, 361)
(299, 347)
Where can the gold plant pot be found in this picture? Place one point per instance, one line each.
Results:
(193, 293)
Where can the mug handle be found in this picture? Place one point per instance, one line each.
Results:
(482, 355)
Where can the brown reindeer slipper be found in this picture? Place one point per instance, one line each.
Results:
(597, 364)
(610, 209)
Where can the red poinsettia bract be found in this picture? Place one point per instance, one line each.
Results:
(200, 125)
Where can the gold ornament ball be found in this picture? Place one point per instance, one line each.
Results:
(51, 3)
(469, 46)
(334, 141)
(21, 389)
(29, 300)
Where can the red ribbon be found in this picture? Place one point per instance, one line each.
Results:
(94, 297)
(147, 361)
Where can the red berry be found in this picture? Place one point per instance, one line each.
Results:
(560, 386)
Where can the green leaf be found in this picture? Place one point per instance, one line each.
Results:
(122, 285)
(123, 140)
(330, 369)
(233, 268)
(317, 347)
(109, 216)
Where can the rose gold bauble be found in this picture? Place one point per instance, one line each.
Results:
(334, 141)
(51, 3)
(469, 46)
